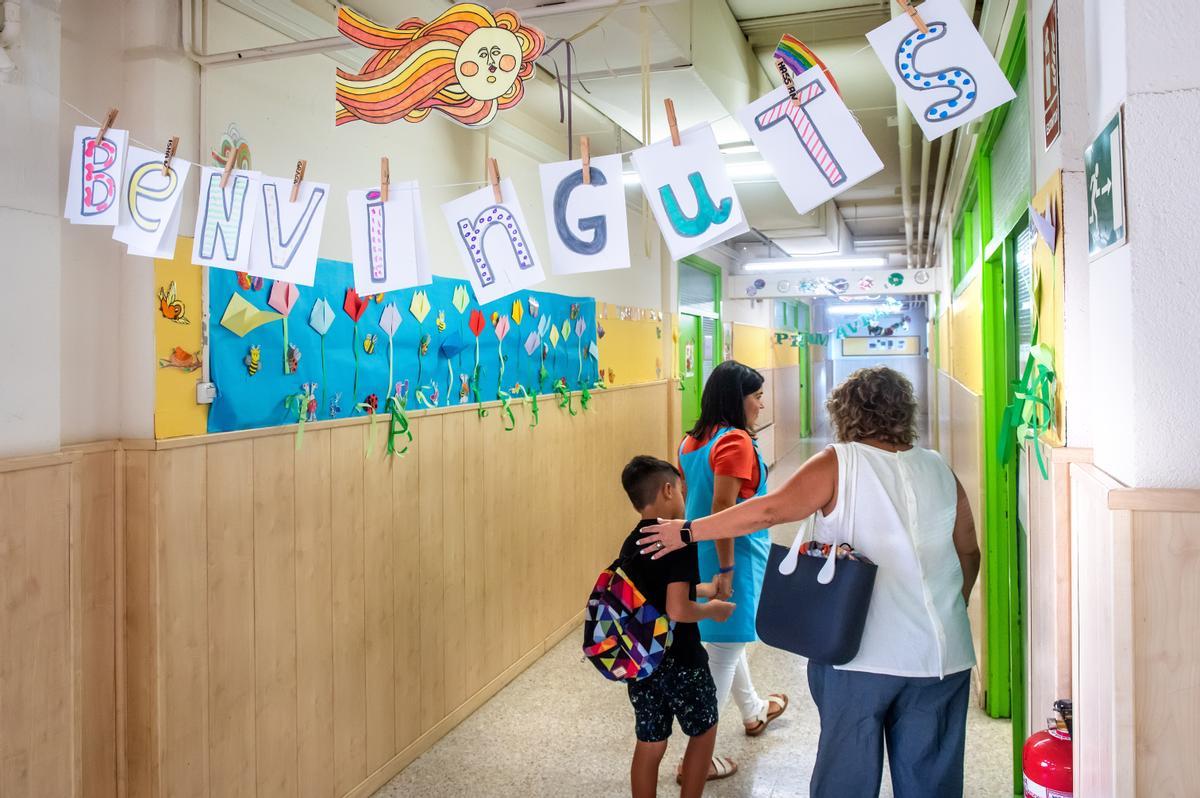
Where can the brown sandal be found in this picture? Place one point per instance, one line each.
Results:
(761, 726)
(722, 768)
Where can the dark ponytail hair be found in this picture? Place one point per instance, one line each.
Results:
(723, 403)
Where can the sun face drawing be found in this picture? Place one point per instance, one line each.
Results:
(468, 64)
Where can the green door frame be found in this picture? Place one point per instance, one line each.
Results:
(995, 252)
(692, 389)
(804, 324)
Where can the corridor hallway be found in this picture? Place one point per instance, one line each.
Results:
(561, 731)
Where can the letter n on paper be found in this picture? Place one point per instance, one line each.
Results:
(474, 233)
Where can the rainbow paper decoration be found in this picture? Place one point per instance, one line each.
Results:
(797, 57)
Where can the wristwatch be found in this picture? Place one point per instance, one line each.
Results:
(686, 533)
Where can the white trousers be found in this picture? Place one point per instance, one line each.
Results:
(731, 672)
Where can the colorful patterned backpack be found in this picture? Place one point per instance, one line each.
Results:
(624, 636)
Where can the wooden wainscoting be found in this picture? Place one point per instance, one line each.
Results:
(1136, 668)
(964, 445)
(785, 396)
(40, 627)
(308, 621)
(1048, 570)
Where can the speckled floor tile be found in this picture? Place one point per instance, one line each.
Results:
(561, 731)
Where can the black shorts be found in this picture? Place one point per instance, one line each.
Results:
(685, 692)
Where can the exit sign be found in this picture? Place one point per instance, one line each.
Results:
(1105, 164)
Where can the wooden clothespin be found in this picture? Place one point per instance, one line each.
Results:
(298, 178)
(586, 152)
(494, 179)
(385, 177)
(172, 146)
(228, 167)
(671, 123)
(108, 122)
(912, 12)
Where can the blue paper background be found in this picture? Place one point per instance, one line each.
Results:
(244, 401)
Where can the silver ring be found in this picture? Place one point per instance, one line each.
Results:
(660, 545)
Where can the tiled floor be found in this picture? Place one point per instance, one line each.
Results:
(560, 731)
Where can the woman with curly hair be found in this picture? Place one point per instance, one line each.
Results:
(909, 685)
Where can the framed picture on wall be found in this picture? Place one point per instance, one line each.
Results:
(882, 346)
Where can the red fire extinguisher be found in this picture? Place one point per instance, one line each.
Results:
(1046, 760)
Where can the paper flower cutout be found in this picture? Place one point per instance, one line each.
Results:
(580, 327)
(241, 317)
(321, 317)
(544, 325)
(532, 343)
(554, 336)
(600, 331)
(355, 306)
(476, 323)
(535, 307)
(419, 306)
(518, 312)
(566, 331)
(283, 297)
(390, 320)
(502, 327)
(461, 298)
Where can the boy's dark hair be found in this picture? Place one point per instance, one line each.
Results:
(644, 477)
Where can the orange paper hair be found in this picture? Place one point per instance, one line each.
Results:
(412, 71)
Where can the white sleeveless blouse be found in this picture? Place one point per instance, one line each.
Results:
(901, 513)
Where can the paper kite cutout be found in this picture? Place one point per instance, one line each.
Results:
(461, 298)
(554, 336)
(544, 325)
(580, 327)
(241, 317)
(502, 326)
(594, 350)
(419, 306)
(389, 322)
(468, 64)
(452, 345)
(532, 343)
(1045, 226)
(566, 331)
(321, 317)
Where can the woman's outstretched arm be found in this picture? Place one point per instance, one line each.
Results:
(812, 487)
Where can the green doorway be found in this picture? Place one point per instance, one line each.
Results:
(700, 335)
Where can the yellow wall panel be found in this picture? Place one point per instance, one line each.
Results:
(178, 324)
(631, 351)
(753, 346)
(966, 344)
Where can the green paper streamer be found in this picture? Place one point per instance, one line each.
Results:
(424, 402)
(564, 395)
(297, 403)
(521, 391)
(324, 379)
(397, 426)
(355, 347)
(475, 385)
(1031, 412)
(511, 422)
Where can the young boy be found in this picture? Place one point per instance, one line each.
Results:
(681, 687)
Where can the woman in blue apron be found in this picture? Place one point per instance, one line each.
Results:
(722, 467)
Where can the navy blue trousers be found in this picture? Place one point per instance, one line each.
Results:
(922, 721)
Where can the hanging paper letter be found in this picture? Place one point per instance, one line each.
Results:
(946, 86)
(287, 234)
(150, 204)
(94, 179)
(494, 243)
(586, 223)
(387, 239)
(225, 219)
(690, 192)
(815, 146)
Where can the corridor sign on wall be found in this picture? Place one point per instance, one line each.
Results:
(1104, 162)
(815, 145)
(947, 76)
(1051, 105)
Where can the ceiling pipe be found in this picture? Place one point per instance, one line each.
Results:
(920, 248)
(904, 122)
(938, 185)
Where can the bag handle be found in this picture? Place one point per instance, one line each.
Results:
(847, 477)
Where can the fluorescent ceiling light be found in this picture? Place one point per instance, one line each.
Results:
(788, 264)
(630, 178)
(739, 149)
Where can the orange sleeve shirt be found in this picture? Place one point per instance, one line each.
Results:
(732, 456)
